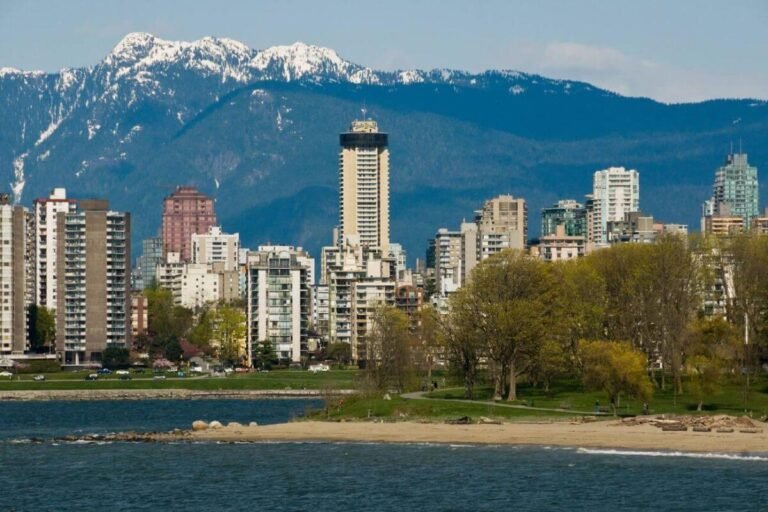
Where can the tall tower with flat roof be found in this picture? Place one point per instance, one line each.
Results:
(364, 185)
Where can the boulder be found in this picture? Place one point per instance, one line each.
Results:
(253, 424)
(234, 424)
(199, 425)
(215, 424)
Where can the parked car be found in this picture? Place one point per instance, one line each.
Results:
(242, 369)
(319, 368)
(103, 371)
(122, 372)
(6, 374)
(92, 376)
(195, 369)
(159, 377)
(38, 377)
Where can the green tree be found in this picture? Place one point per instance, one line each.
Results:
(42, 328)
(512, 293)
(705, 374)
(425, 325)
(615, 368)
(391, 352)
(264, 357)
(462, 339)
(202, 333)
(229, 332)
(550, 362)
(116, 358)
(340, 352)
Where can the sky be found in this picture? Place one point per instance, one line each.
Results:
(672, 51)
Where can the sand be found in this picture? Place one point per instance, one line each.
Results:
(602, 434)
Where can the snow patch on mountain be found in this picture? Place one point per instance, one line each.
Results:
(298, 60)
(410, 77)
(19, 180)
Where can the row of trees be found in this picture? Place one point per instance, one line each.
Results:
(626, 319)
(175, 331)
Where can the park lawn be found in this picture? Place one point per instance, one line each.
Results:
(400, 409)
(283, 379)
(570, 394)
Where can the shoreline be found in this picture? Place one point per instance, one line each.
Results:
(601, 434)
(162, 394)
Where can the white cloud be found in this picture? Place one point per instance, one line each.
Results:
(614, 70)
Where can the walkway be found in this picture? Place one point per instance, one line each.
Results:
(420, 395)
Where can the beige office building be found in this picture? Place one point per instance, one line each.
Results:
(364, 185)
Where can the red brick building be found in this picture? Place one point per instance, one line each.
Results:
(185, 212)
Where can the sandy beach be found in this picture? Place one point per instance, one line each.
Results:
(603, 434)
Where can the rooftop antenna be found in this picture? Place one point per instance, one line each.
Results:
(364, 111)
(740, 145)
(731, 147)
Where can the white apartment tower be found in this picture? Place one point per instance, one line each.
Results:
(216, 247)
(46, 210)
(616, 192)
(278, 300)
(14, 277)
(364, 185)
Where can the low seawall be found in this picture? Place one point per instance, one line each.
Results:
(166, 394)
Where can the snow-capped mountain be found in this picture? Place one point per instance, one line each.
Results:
(257, 129)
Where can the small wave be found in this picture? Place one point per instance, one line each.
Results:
(692, 455)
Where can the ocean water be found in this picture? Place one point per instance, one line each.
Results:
(53, 476)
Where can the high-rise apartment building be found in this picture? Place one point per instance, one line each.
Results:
(186, 212)
(15, 272)
(151, 256)
(364, 185)
(448, 261)
(501, 224)
(616, 192)
(568, 213)
(94, 299)
(216, 247)
(46, 243)
(278, 300)
(735, 192)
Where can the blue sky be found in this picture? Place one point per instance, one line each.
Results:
(677, 50)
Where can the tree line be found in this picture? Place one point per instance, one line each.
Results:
(625, 320)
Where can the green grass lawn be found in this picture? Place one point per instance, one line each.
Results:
(571, 395)
(359, 407)
(294, 379)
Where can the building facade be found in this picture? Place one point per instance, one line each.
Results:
(94, 299)
(46, 245)
(186, 212)
(364, 185)
(568, 213)
(502, 224)
(15, 293)
(151, 256)
(735, 192)
(278, 300)
(216, 247)
(560, 245)
(616, 192)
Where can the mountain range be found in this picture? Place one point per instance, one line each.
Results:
(258, 130)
